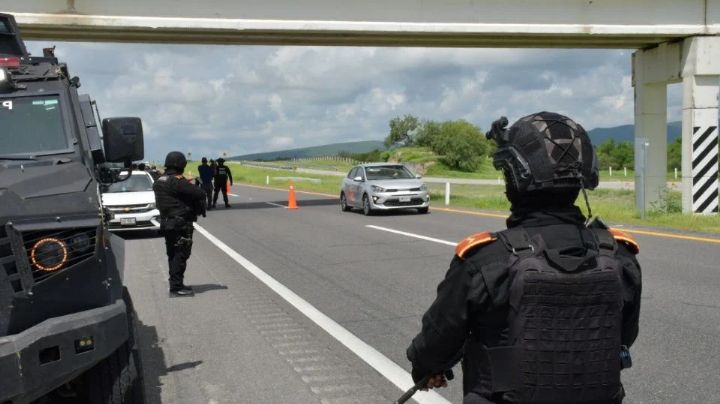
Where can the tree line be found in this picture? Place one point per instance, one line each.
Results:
(462, 146)
(622, 154)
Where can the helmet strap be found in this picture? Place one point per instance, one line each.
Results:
(587, 202)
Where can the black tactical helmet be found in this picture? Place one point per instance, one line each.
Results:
(176, 160)
(204, 160)
(220, 161)
(543, 152)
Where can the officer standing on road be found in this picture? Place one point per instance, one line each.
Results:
(545, 311)
(206, 177)
(222, 175)
(179, 203)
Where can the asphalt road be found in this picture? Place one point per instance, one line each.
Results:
(239, 341)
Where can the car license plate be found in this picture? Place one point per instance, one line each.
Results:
(404, 199)
(128, 221)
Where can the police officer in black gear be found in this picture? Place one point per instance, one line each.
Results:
(222, 176)
(545, 311)
(206, 173)
(179, 203)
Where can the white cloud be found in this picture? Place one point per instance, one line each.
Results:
(245, 99)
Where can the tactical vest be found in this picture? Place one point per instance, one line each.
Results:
(563, 340)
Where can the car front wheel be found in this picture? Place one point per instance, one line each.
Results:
(424, 210)
(367, 209)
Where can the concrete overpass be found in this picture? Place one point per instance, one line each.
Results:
(677, 41)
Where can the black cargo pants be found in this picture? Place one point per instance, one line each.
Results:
(178, 245)
(220, 186)
(208, 188)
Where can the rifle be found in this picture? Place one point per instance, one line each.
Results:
(449, 375)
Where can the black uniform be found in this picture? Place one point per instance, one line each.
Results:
(471, 311)
(179, 203)
(222, 175)
(543, 312)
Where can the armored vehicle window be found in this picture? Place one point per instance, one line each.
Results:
(31, 125)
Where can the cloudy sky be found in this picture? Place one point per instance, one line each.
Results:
(245, 99)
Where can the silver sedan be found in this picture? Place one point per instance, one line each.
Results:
(383, 186)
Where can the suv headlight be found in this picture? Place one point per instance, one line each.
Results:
(376, 188)
(423, 187)
(151, 206)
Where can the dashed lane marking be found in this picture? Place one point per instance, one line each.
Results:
(421, 237)
(502, 216)
(276, 204)
(386, 367)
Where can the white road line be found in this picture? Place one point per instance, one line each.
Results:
(421, 237)
(231, 194)
(386, 367)
(277, 204)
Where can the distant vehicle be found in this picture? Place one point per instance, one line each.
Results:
(131, 203)
(382, 186)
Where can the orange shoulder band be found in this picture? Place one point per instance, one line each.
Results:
(626, 239)
(473, 241)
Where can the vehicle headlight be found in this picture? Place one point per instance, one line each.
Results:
(49, 254)
(376, 188)
(151, 205)
(423, 187)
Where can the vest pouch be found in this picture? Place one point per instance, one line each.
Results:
(503, 361)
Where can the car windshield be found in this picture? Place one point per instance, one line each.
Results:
(388, 173)
(31, 126)
(136, 183)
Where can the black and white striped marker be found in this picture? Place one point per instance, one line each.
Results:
(705, 169)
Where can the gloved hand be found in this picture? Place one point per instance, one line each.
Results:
(435, 381)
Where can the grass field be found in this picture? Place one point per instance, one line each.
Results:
(613, 206)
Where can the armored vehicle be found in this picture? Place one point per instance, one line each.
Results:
(66, 324)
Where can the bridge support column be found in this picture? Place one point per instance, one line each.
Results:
(701, 88)
(650, 78)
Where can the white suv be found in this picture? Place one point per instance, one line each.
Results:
(131, 203)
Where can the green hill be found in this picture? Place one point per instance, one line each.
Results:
(626, 133)
(315, 151)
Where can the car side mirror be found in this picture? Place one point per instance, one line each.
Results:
(358, 179)
(123, 139)
(418, 176)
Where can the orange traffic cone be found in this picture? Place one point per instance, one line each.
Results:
(227, 187)
(292, 204)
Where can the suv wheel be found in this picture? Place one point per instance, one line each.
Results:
(424, 210)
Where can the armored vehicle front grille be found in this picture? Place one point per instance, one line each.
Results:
(7, 262)
(71, 245)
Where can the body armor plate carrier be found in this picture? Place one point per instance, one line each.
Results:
(564, 324)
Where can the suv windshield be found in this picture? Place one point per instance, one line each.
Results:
(31, 125)
(136, 183)
(388, 173)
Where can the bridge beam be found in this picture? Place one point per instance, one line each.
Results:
(441, 23)
(696, 63)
